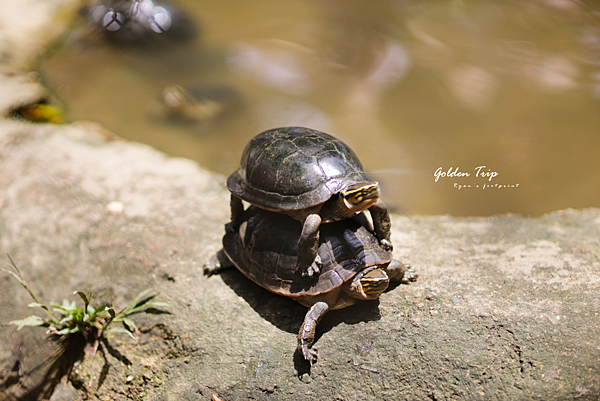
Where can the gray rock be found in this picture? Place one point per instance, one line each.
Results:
(505, 307)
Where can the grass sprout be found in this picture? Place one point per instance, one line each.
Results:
(69, 318)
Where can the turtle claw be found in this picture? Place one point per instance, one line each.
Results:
(216, 264)
(212, 266)
(313, 269)
(309, 353)
(386, 245)
(410, 276)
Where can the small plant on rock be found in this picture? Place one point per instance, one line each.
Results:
(74, 328)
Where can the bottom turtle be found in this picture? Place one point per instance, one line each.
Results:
(353, 265)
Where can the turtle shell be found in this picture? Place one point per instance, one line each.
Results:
(264, 249)
(294, 168)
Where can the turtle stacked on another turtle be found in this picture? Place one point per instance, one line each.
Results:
(310, 176)
(298, 174)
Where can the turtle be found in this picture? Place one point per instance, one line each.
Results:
(354, 265)
(311, 176)
(198, 104)
(140, 21)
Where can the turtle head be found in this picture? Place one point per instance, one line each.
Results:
(374, 282)
(361, 196)
(368, 284)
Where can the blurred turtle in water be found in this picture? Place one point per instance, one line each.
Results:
(195, 104)
(136, 21)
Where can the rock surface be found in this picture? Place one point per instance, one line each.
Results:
(505, 307)
(27, 27)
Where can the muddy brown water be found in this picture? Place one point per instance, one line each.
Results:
(456, 107)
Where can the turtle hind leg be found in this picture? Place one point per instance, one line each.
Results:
(217, 264)
(308, 245)
(401, 272)
(306, 337)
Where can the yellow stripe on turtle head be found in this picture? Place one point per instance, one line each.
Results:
(360, 196)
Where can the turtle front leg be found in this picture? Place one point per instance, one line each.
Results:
(308, 245)
(382, 224)
(237, 211)
(306, 337)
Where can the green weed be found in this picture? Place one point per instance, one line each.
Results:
(74, 328)
(67, 318)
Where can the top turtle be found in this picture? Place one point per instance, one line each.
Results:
(310, 176)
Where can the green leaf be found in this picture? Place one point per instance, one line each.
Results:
(158, 304)
(129, 323)
(35, 305)
(58, 307)
(139, 298)
(83, 297)
(70, 306)
(120, 330)
(32, 320)
(86, 301)
(15, 275)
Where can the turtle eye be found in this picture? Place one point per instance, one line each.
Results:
(358, 195)
(374, 282)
